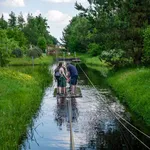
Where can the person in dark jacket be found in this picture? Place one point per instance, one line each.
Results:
(73, 72)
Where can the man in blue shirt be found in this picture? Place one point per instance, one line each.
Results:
(73, 72)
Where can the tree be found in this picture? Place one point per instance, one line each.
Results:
(42, 43)
(6, 47)
(21, 21)
(75, 35)
(12, 20)
(37, 27)
(34, 52)
(3, 23)
(118, 25)
(18, 36)
(146, 53)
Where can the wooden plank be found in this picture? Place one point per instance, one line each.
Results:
(69, 59)
(68, 95)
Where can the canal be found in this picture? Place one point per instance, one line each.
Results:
(93, 124)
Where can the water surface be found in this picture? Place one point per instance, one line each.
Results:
(94, 126)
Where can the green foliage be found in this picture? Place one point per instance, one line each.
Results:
(17, 35)
(21, 21)
(112, 25)
(132, 86)
(3, 23)
(17, 53)
(12, 21)
(115, 57)
(34, 52)
(146, 55)
(42, 43)
(37, 27)
(75, 35)
(6, 47)
(94, 49)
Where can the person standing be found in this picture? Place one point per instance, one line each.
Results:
(73, 77)
(62, 79)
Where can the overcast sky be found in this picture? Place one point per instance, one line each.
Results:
(58, 12)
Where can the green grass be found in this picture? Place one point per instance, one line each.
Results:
(133, 87)
(21, 91)
(95, 63)
(28, 61)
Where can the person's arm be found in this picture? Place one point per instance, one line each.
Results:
(62, 70)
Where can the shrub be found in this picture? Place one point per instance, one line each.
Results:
(34, 52)
(17, 53)
(115, 57)
(94, 49)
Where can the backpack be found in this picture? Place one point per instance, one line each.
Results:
(57, 74)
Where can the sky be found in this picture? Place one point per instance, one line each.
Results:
(57, 12)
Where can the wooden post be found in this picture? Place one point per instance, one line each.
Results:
(70, 119)
(33, 61)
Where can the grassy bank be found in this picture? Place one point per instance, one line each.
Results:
(21, 91)
(131, 85)
(133, 88)
(95, 63)
(28, 61)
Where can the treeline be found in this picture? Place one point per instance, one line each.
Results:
(117, 31)
(18, 37)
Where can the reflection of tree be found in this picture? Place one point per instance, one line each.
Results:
(62, 111)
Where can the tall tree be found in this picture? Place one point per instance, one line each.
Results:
(12, 21)
(75, 34)
(21, 21)
(3, 23)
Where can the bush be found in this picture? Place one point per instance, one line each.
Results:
(34, 52)
(115, 57)
(94, 49)
(17, 53)
(42, 43)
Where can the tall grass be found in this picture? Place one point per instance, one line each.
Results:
(28, 61)
(21, 90)
(133, 87)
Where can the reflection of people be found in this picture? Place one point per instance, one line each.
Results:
(62, 111)
(62, 79)
(57, 76)
(73, 77)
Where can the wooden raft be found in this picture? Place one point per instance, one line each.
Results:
(68, 95)
(69, 59)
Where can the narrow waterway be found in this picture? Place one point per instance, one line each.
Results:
(94, 126)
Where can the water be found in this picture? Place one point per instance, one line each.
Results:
(94, 126)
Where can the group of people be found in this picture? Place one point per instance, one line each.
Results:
(66, 73)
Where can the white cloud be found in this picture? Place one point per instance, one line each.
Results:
(36, 13)
(65, 1)
(58, 1)
(13, 3)
(56, 16)
(6, 15)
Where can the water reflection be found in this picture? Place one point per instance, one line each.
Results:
(94, 127)
(62, 112)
